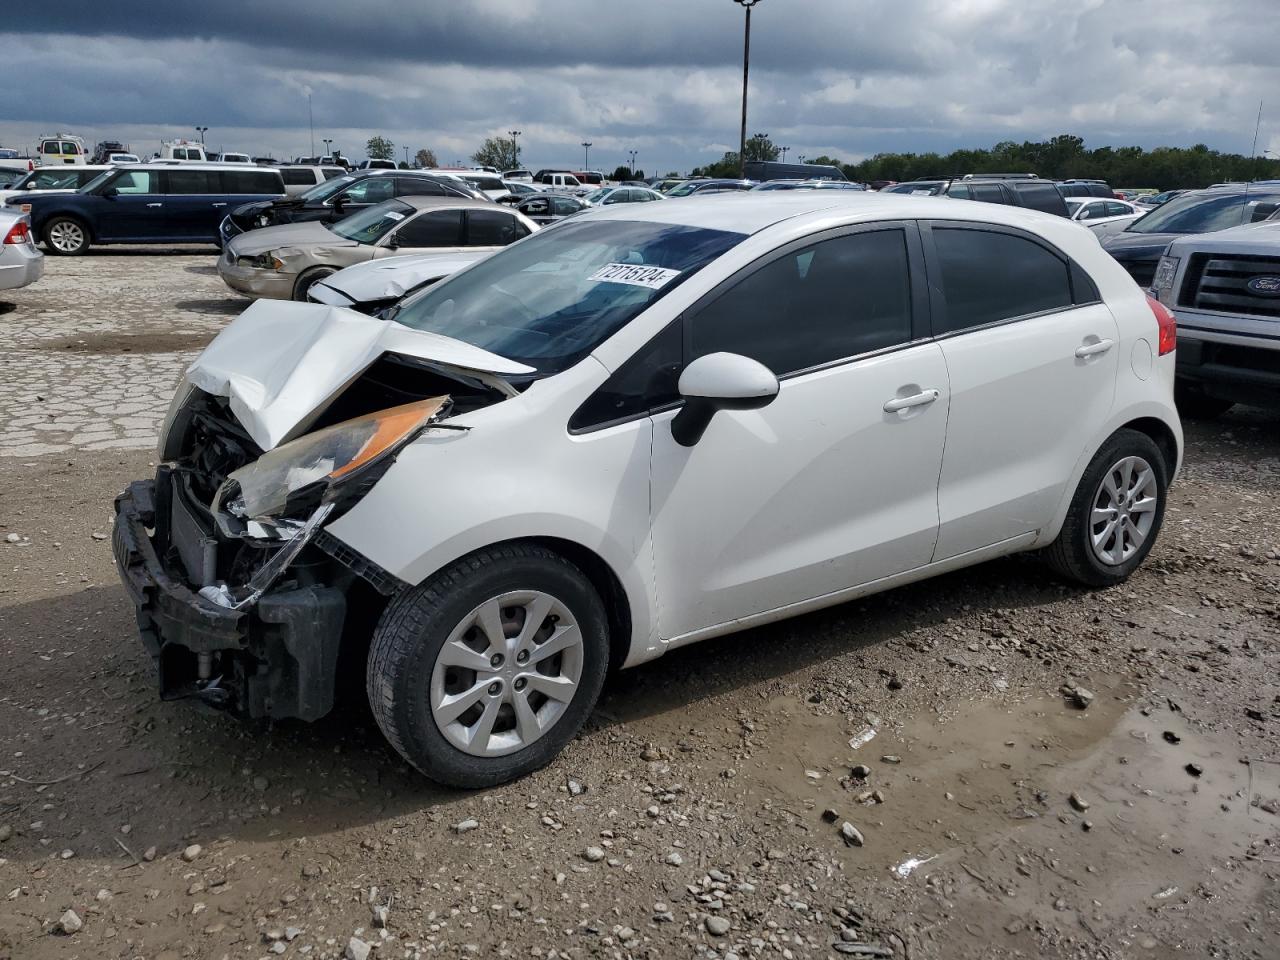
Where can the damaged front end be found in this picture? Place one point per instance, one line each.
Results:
(243, 599)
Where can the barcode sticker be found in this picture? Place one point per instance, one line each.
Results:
(634, 275)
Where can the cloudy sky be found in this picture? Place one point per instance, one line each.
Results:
(843, 77)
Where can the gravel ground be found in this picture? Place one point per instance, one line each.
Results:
(1025, 770)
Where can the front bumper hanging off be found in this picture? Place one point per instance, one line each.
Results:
(276, 657)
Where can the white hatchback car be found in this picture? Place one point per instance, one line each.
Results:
(650, 425)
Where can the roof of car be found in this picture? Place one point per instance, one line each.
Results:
(191, 165)
(749, 211)
(434, 203)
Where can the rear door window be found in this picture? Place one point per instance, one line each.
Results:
(193, 182)
(989, 277)
(296, 177)
(418, 187)
(254, 182)
(825, 302)
(492, 228)
(987, 192)
(436, 228)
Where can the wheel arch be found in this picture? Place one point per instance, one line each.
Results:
(319, 271)
(65, 214)
(1152, 419)
(603, 579)
(1161, 435)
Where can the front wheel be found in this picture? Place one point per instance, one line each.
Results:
(1116, 513)
(309, 280)
(66, 236)
(486, 671)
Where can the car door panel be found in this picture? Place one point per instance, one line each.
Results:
(1025, 396)
(820, 491)
(824, 489)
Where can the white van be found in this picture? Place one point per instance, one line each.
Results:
(61, 148)
(182, 150)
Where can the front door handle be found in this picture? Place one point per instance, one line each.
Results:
(1094, 349)
(915, 400)
(219, 204)
(155, 204)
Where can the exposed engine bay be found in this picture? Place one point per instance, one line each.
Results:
(243, 599)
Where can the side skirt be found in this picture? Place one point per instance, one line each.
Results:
(982, 554)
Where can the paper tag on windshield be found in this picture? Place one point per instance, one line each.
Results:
(634, 275)
(393, 215)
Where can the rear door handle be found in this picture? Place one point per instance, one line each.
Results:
(915, 400)
(1094, 349)
(219, 204)
(155, 204)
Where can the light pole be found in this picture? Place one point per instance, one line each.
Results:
(311, 121)
(586, 155)
(201, 131)
(633, 162)
(514, 135)
(746, 63)
(784, 153)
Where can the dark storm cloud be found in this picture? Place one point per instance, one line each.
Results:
(535, 33)
(846, 77)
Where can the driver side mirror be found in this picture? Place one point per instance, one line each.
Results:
(111, 193)
(719, 381)
(338, 204)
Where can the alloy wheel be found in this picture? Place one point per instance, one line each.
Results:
(1124, 510)
(507, 673)
(66, 236)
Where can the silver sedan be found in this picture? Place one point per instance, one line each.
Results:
(20, 262)
(283, 262)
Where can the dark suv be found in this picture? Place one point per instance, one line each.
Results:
(148, 203)
(334, 199)
(1086, 188)
(1035, 194)
(1138, 247)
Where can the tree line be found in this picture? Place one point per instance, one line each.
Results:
(1060, 158)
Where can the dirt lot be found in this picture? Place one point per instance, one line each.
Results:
(1000, 819)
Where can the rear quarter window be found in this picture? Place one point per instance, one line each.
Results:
(253, 182)
(295, 177)
(1041, 196)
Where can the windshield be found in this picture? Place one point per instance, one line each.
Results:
(553, 298)
(1199, 213)
(597, 196)
(370, 226)
(323, 191)
(920, 188)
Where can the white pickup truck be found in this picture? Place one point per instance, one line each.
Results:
(1224, 289)
(560, 183)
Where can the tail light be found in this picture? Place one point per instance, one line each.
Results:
(1167, 324)
(20, 232)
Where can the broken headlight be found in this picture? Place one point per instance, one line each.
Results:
(298, 476)
(263, 261)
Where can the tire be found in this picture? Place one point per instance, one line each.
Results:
(309, 278)
(66, 236)
(1194, 404)
(416, 696)
(1074, 555)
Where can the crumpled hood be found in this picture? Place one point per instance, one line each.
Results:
(266, 239)
(391, 276)
(281, 364)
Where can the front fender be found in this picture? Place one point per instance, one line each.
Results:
(515, 474)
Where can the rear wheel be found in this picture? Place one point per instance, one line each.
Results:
(308, 280)
(66, 236)
(487, 670)
(1116, 513)
(1194, 404)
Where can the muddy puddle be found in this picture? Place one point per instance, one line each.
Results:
(1031, 814)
